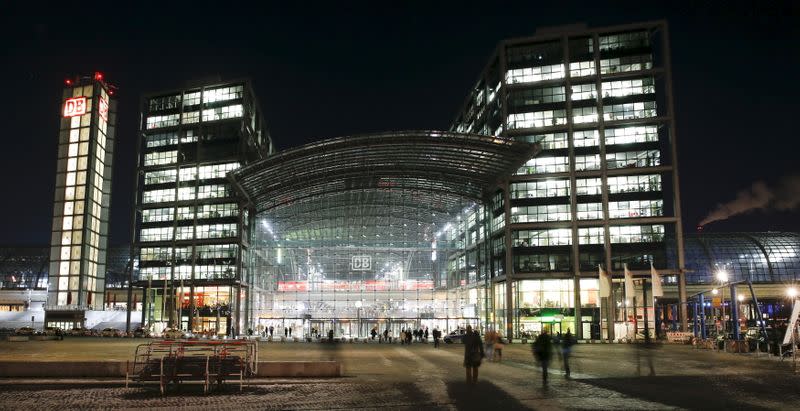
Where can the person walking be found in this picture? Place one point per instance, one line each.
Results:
(499, 344)
(285, 331)
(473, 354)
(386, 335)
(566, 350)
(426, 334)
(436, 335)
(290, 331)
(543, 352)
(373, 333)
(488, 341)
(271, 329)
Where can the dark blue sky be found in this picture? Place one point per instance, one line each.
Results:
(323, 71)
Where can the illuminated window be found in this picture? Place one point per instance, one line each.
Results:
(629, 111)
(629, 135)
(581, 68)
(635, 208)
(540, 189)
(162, 121)
(222, 113)
(223, 94)
(191, 117)
(191, 99)
(588, 186)
(156, 234)
(159, 177)
(590, 211)
(216, 170)
(584, 92)
(624, 88)
(647, 158)
(165, 103)
(637, 234)
(640, 183)
(531, 214)
(626, 63)
(151, 215)
(588, 162)
(545, 118)
(534, 74)
(212, 191)
(539, 165)
(587, 138)
(542, 238)
(548, 141)
(623, 41)
(160, 158)
(158, 196)
(584, 115)
(591, 235)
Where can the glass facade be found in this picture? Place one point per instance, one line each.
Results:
(192, 234)
(600, 191)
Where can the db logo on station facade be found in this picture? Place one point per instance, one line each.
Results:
(75, 106)
(360, 263)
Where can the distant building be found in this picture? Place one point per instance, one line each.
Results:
(82, 201)
(604, 189)
(191, 229)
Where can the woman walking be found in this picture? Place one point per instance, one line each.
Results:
(473, 354)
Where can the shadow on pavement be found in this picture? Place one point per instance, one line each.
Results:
(482, 396)
(706, 392)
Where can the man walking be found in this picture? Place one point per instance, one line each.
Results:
(566, 350)
(543, 351)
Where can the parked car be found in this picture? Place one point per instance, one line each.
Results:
(141, 332)
(53, 331)
(80, 332)
(25, 331)
(173, 334)
(112, 332)
(454, 337)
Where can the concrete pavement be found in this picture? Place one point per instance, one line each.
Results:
(386, 376)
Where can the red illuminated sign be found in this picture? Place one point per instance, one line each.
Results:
(103, 108)
(75, 106)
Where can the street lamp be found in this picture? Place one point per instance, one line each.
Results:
(722, 276)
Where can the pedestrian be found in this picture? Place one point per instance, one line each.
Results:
(290, 331)
(402, 336)
(271, 330)
(488, 341)
(473, 354)
(436, 335)
(330, 336)
(373, 333)
(566, 350)
(386, 335)
(543, 351)
(426, 334)
(285, 331)
(498, 348)
(408, 337)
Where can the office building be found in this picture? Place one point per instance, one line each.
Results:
(191, 249)
(603, 191)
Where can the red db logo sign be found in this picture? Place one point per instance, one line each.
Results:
(75, 106)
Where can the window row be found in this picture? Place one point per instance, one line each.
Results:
(538, 96)
(189, 232)
(184, 272)
(544, 118)
(186, 193)
(623, 41)
(542, 238)
(591, 138)
(160, 158)
(153, 215)
(540, 189)
(624, 88)
(204, 252)
(622, 234)
(222, 113)
(533, 214)
(534, 74)
(626, 64)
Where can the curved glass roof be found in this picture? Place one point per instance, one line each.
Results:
(433, 166)
(770, 257)
(391, 189)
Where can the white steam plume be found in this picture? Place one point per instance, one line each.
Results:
(784, 196)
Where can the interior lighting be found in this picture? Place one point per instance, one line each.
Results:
(714, 291)
(791, 292)
(722, 275)
(740, 297)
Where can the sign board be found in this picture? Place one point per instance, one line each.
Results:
(75, 106)
(679, 336)
(103, 108)
(361, 263)
(716, 302)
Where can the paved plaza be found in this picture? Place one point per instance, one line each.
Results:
(383, 376)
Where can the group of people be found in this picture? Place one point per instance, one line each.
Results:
(270, 331)
(492, 345)
(407, 335)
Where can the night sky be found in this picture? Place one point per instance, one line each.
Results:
(329, 71)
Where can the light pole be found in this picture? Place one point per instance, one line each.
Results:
(358, 308)
(722, 276)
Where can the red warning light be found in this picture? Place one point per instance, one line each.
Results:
(98, 76)
(68, 82)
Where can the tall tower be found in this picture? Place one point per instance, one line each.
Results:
(82, 198)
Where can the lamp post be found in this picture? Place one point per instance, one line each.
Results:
(358, 308)
(722, 276)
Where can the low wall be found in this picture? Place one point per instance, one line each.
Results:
(62, 369)
(99, 369)
(299, 369)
